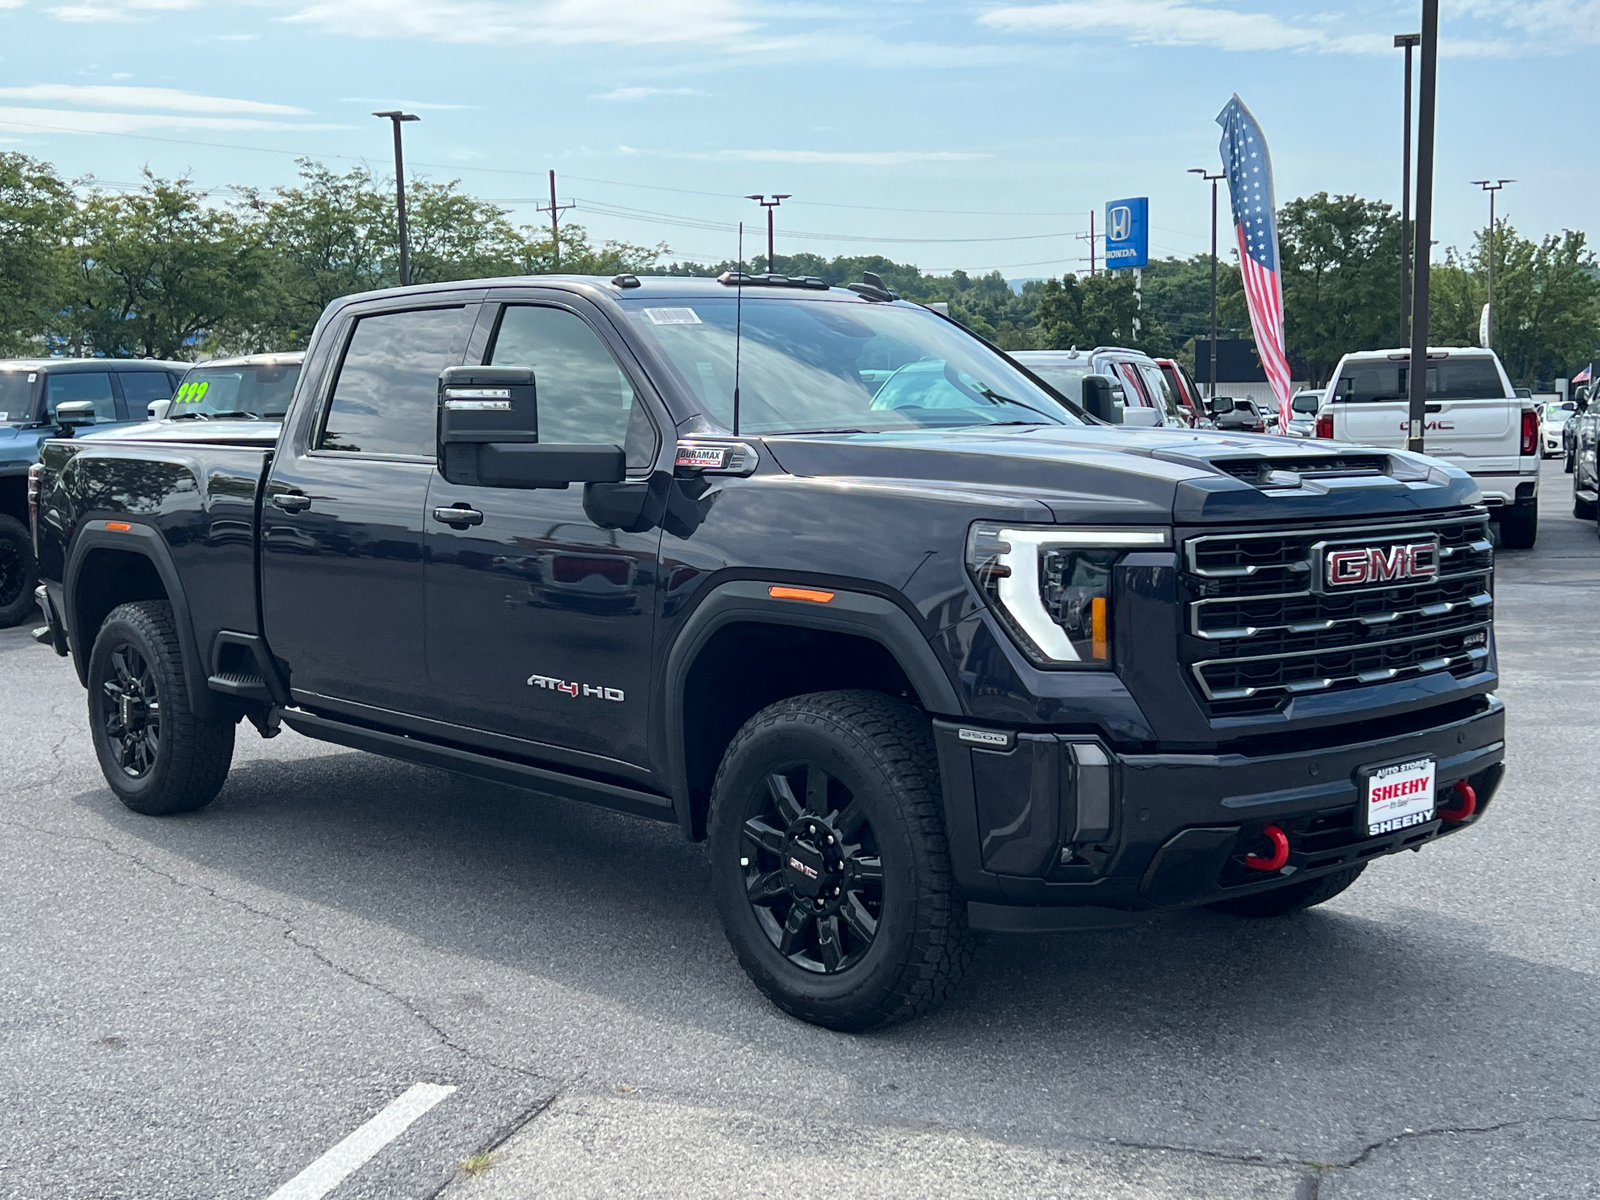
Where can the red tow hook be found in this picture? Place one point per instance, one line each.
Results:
(1464, 804)
(1280, 851)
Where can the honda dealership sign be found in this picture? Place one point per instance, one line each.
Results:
(1127, 233)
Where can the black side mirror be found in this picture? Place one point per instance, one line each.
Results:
(72, 415)
(489, 435)
(1098, 400)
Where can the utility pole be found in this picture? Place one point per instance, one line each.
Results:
(398, 118)
(1409, 42)
(1491, 188)
(1090, 237)
(555, 210)
(769, 205)
(1426, 114)
(1204, 174)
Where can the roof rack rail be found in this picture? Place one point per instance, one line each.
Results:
(740, 279)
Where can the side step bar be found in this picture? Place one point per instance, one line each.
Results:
(481, 766)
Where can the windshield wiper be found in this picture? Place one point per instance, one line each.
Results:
(994, 397)
(235, 416)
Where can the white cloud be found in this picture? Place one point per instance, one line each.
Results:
(859, 158)
(70, 120)
(641, 93)
(407, 105)
(549, 22)
(1180, 23)
(1558, 24)
(144, 97)
(117, 10)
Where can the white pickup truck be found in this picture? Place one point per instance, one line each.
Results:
(1476, 421)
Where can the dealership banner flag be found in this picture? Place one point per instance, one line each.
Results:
(1255, 225)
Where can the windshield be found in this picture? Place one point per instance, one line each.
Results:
(1450, 379)
(251, 390)
(816, 365)
(16, 397)
(1066, 380)
(1559, 412)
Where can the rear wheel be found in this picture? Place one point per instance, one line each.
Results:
(157, 754)
(1519, 527)
(19, 574)
(1293, 897)
(829, 861)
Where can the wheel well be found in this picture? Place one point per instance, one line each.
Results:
(14, 497)
(106, 579)
(746, 666)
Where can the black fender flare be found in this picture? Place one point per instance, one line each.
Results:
(146, 541)
(862, 614)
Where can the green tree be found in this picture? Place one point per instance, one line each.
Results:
(35, 209)
(1100, 310)
(1546, 301)
(1341, 278)
(159, 272)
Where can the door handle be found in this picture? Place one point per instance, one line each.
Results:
(460, 516)
(291, 501)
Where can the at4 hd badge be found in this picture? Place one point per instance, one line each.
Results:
(567, 688)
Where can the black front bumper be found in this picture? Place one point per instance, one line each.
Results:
(1054, 820)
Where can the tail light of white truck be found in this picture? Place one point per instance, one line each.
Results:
(1325, 425)
(1530, 432)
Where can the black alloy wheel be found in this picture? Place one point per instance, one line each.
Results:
(158, 754)
(130, 711)
(829, 862)
(18, 573)
(812, 871)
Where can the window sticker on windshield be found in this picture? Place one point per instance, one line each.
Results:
(5, 416)
(191, 393)
(672, 316)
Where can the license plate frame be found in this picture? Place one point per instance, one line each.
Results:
(1382, 812)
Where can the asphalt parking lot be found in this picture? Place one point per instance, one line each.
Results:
(204, 1006)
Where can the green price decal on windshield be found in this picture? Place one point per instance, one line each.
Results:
(191, 393)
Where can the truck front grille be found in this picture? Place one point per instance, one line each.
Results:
(1261, 627)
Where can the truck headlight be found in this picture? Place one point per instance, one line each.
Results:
(1051, 586)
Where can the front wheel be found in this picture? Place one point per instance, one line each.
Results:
(1293, 897)
(18, 573)
(158, 755)
(829, 861)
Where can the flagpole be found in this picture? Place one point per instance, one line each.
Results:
(1427, 90)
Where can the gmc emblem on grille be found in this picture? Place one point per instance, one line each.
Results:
(1398, 562)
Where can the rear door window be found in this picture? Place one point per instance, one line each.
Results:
(385, 399)
(82, 385)
(140, 388)
(1135, 388)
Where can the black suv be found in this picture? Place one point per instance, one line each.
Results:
(814, 574)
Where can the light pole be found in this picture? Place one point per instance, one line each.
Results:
(769, 205)
(400, 191)
(1201, 171)
(1491, 187)
(1409, 41)
(1427, 95)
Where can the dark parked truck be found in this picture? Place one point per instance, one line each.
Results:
(916, 645)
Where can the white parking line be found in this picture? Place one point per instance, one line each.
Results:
(329, 1171)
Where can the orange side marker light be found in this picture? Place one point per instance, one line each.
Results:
(1097, 629)
(796, 593)
(119, 526)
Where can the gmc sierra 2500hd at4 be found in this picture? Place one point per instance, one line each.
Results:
(915, 644)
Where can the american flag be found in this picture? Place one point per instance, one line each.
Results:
(1255, 221)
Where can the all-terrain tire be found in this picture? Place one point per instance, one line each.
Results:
(857, 794)
(1293, 897)
(19, 574)
(159, 756)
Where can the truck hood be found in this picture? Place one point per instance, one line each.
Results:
(1107, 474)
(18, 443)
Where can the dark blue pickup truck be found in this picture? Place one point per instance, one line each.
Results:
(917, 645)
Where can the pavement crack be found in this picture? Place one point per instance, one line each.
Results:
(511, 1128)
(294, 938)
(1447, 1130)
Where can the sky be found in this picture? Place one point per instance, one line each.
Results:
(975, 135)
